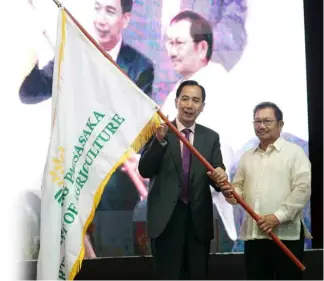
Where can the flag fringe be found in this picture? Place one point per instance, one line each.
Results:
(146, 133)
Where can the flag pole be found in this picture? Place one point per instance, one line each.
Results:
(193, 150)
(58, 3)
(247, 208)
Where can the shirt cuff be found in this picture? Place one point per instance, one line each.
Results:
(163, 142)
(281, 216)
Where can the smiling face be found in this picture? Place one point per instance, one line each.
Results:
(186, 56)
(189, 104)
(109, 21)
(267, 128)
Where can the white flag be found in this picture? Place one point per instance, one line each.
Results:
(98, 115)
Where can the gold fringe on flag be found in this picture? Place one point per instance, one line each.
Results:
(143, 137)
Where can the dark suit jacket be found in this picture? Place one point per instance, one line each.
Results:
(37, 86)
(163, 165)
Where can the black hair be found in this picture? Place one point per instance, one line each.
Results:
(267, 104)
(191, 83)
(126, 5)
(200, 29)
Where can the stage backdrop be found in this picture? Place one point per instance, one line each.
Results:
(258, 55)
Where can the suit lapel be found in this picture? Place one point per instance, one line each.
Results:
(174, 143)
(121, 59)
(199, 141)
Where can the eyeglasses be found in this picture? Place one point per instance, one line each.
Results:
(177, 44)
(258, 123)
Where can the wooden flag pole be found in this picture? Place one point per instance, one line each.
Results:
(247, 208)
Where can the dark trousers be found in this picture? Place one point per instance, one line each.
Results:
(178, 254)
(265, 260)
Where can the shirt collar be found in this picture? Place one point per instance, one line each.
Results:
(276, 145)
(114, 52)
(279, 143)
(180, 126)
(200, 74)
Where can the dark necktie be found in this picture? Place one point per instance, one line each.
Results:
(186, 161)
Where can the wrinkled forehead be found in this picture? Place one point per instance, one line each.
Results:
(191, 91)
(179, 30)
(265, 113)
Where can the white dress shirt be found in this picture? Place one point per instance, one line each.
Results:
(114, 52)
(191, 135)
(276, 181)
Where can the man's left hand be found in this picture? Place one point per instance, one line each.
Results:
(218, 175)
(268, 222)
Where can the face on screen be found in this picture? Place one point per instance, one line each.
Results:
(109, 22)
(266, 126)
(186, 55)
(189, 104)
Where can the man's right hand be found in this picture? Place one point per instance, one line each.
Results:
(227, 190)
(33, 29)
(161, 132)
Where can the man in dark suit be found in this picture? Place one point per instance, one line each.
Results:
(179, 207)
(111, 17)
